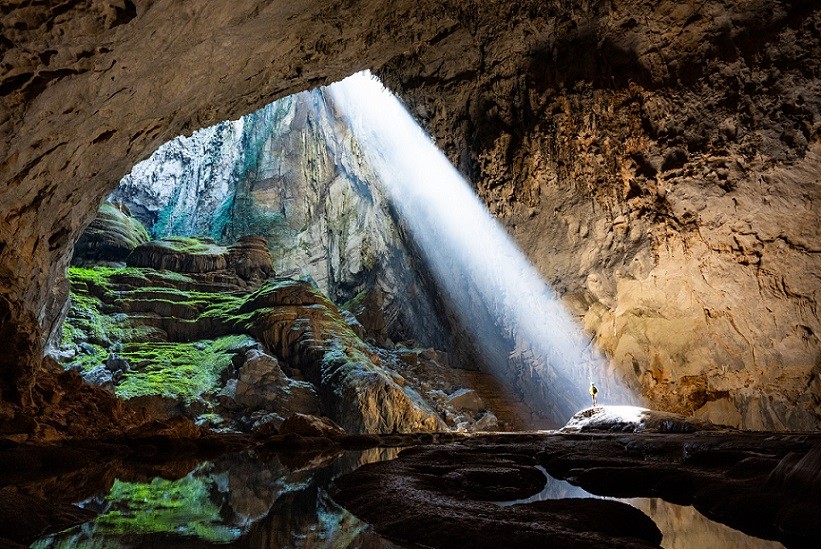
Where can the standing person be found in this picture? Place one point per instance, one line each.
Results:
(594, 392)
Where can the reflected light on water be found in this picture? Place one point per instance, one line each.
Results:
(682, 526)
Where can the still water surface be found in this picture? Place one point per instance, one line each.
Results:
(267, 501)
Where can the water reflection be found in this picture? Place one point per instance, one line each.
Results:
(256, 500)
(243, 500)
(683, 527)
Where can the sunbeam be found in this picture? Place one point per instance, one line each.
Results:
(493, 287)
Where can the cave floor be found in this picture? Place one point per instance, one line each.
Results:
(728, 489)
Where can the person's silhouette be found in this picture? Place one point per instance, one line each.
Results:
(594, 392)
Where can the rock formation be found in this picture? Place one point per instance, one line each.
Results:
(112, 235)
(659, 164)
(194, 329)
(657, 161)
(176, 333)
(293, 173)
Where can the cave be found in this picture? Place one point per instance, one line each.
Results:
(223, 322)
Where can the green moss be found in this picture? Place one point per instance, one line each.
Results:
(189, 245)
(182, 371)
(186, 371)
(70, 335)
(356, 303)
(85, 319)
(86, 361)
(182, 507)
(127, 225)
(193, 298)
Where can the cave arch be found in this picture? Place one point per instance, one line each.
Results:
(85, 94)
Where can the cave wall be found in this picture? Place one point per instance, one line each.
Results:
(90, 87)
(658, 160)
(660, 164)
(293, 173)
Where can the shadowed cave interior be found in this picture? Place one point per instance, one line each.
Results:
(366, 309)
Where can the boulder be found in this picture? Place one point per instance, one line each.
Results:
(267, 425)
(156, 406)
(635, 419)
(488, 422)
(101, 377)
(262, 385)
(466, 399)
(115, 363)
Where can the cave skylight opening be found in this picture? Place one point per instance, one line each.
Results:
(472, 258)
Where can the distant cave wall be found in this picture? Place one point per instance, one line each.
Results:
(660, 164)
(658, 160)
(293, 173)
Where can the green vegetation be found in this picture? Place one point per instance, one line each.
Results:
(133, 312)
(174, 506)
(86, 320)
(95, 326)
(356, 303)
(181, 371)
(188, 245)
(180, 507)
(89, 356)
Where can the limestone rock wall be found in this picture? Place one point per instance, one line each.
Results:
(292, 172)
(659, 163)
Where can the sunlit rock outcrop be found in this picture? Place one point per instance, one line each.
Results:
(634, 419)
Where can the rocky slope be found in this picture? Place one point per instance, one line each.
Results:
(186, 327)
(658, 161)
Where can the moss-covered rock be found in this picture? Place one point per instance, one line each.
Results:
(248, 259)
(179, 371)
(182, 506)
(110, 237)
(180, 254)
(186, 339)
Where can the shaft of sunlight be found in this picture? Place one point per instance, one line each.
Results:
(473, 259)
